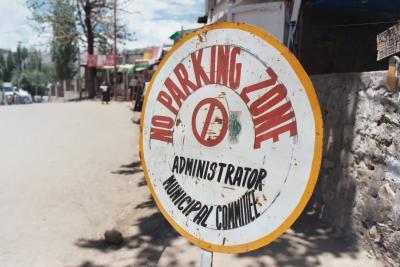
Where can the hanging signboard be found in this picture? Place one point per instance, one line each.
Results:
(92, 60)
(231, 138)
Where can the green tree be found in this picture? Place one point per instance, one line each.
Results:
(9, 67)
(2, 66)
(20, 56)
(96, 18)
(94, 22)
(35, 76)
(33, 72)
(35, 61)
(64, 48)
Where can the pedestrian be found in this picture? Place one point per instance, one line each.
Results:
(105, 92)
(132, 86)
(14, 98)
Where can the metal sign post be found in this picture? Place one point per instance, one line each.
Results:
(231, 138)
(206, 258)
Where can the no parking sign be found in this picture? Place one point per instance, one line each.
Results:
(231, 138)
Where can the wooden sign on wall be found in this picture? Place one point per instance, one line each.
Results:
(388, 42)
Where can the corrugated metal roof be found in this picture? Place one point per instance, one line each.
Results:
(178, 34)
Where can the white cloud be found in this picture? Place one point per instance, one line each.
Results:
(153, 21)
(15, 26)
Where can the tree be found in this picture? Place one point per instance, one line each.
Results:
(95, 21)
(35, 76)
(64, 48)
(34, 70)
(9, 67)
(20, 56)
(2, 66)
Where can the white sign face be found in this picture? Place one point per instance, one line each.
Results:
(231, 138)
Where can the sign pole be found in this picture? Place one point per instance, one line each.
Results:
(115, 51)
(206, 258)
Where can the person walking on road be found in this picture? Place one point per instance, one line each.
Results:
(105, 92)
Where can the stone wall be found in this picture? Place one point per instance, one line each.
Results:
(358, 190)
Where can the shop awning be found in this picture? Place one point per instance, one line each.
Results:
(125, 68)
(178, 34)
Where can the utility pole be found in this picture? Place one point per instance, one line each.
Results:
(78, 77)
(115, 50)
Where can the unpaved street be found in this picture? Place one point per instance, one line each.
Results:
(68, 172)
(62, 179)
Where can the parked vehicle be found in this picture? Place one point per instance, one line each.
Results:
(9, 93)
(24, 97)
(37, 99)
(12, 95)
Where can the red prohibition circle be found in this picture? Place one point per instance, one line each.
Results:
(213, 103)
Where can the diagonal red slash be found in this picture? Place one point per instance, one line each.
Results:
(212, 102)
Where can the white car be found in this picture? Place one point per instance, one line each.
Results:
(12, 95)
(8, 93)
(24, 97)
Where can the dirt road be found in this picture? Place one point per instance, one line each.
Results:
(62, 179)
(68, 172)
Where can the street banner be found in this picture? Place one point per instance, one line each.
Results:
(231, 137)
(92, 60)
(152, 53)
(109, 60)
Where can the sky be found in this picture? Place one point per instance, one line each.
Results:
(152, 21)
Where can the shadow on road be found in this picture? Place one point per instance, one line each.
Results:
(142, 182)
(129, 169)
(90, 264)
(155, 234)
(301, 246)
(146, 205)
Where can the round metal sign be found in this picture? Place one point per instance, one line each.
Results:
(231, 138)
